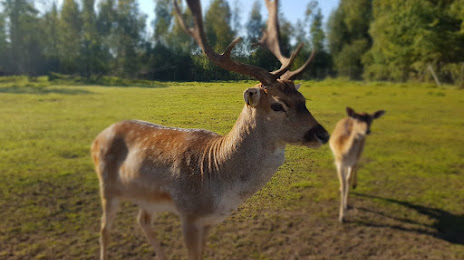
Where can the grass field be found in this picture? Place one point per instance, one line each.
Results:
(409, 203)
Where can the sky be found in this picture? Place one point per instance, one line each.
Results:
(292, 9)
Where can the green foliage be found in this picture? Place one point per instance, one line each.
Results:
(348, 36)
(367, 39)
(77, 38)
(255, 23)
(70, 26)
(52, 38)
(3, 45)
(163, 20)
(218, 25)
(24, 36)
(411, 35)
(93, 55)
(321, 66)
(128, 37)
(177, 40)
(317, 34)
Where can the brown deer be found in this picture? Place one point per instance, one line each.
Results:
(197, 174)
(347, 143)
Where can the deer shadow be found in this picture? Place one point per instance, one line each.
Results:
(445, 225)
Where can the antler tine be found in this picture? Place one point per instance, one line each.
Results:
(181, 20)
(290, 75)
(270, 39)
(222, 60)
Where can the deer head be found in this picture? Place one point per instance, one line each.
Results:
(276, 99)
(363, 121)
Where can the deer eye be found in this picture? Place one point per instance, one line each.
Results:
(277, 107)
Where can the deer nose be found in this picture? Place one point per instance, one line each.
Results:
(320, 132)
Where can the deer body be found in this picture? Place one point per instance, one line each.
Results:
(192, 171)
(197, 174)
(347, 144)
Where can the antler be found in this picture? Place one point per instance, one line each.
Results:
(269, 40)
(222, 60)
(290, 75)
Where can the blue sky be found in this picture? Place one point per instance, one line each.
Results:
(292, 9)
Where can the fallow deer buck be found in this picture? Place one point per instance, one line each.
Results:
(197, 174)
(347, 143)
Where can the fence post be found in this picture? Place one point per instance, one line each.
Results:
(434, 75)
(461, 82)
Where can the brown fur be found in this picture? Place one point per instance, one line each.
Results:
(347, 143)
(198, 174)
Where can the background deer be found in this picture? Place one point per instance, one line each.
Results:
(347, 143)
(197, 174)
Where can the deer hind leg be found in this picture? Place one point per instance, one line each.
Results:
(145, 220)
(341, 170)
(354, 177)
(349, 177)
(194, 236)
(110, 207)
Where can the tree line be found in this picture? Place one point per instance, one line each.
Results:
(395, 40)
(398, 40)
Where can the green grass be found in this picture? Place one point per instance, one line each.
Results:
(409, 203)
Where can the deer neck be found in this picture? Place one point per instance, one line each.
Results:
(355, 139)
(249, 150)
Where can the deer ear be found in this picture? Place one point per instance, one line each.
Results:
(297, 87)
(378, 114)
(252, 96)
(350, 112)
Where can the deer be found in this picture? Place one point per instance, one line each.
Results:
(347, 144)
(197, 174)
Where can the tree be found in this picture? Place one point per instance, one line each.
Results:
(70, 35)
(177, 40)
(129, 33)
(409, 36)
(317, 34)
(52, 40)
(163, 19)
(106, 19)
(255, 23)
(92, 52)
(24, 35)
(320, 66)
(218, 25)
(348, 36)
(106, 27)
(4, 46)
(259, 56)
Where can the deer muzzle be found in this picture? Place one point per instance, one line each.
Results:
(317, 134)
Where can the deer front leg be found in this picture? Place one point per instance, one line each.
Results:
(341, 170)
(194, 236)
(144, 219)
